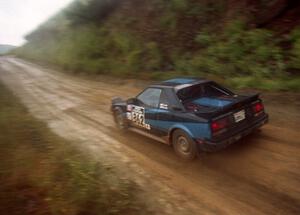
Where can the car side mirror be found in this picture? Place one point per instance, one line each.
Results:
(132, 101)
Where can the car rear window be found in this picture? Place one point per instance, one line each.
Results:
(202, 90)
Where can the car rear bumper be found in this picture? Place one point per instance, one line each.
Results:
(210, 146)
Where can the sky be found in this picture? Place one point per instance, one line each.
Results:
(20, 17)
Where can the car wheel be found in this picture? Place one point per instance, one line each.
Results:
(184, 145)
(119, 119)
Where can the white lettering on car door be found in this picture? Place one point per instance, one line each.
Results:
(137, 116)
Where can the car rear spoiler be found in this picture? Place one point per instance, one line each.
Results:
(241, 102)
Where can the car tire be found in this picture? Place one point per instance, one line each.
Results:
(184, 146)
(120, 120)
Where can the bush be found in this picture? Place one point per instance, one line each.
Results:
(239, 52)
(131, 47)
(153, 58)
(179, 5)
(286, 84)
(295, 52)
(204, 39)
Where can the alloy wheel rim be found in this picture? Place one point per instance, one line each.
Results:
(183, 145)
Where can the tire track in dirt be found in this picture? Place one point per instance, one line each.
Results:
(259, 175)
(109, 149)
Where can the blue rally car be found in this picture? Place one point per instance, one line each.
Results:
(190, 114)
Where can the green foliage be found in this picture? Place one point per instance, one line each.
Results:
(239, 52)
(179, 5)
(169, 20)
(295, 34)
(295, 52)
(136, 46)
(236, 27)
(206, 11)
(204, 39)
(96, 51)
(286, 84)
(92, 11)
(134, 61)
(153, 57)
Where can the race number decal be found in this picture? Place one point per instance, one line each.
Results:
(137, 116)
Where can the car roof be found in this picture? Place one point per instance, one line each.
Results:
(179, 83)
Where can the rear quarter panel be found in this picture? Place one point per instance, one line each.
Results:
(196, 127)
(196, 130)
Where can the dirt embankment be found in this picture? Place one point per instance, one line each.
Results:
(258, 175)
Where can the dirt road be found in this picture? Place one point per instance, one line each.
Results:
(258, 175)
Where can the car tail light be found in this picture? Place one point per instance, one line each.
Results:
(220, 125)
(258, 107)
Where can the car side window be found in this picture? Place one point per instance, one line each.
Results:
(150, 97)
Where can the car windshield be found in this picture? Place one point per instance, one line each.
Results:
(202, 90)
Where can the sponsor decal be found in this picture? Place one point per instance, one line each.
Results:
(137, 116)
(163, 106)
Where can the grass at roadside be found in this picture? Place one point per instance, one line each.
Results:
(41, 173)
(286, 84)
